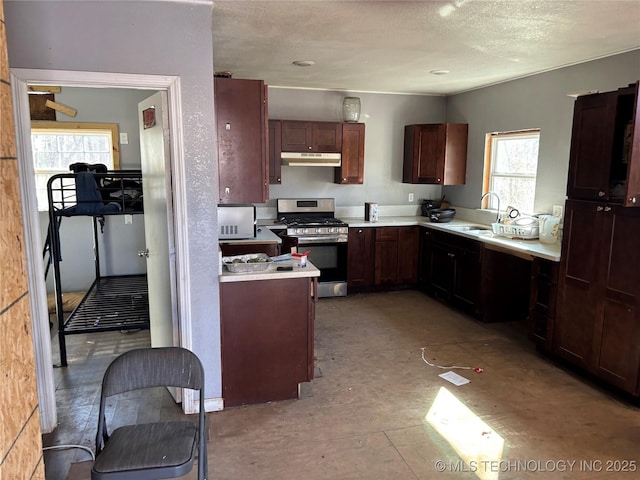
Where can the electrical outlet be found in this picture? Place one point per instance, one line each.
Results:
(557, 211)
(411, 197)
(124, 139)
(128, 219)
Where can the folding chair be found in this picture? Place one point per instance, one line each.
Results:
(153, 450)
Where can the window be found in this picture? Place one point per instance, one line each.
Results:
(56, 145)
(511, 163)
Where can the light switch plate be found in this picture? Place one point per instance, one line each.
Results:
(124, 139)
(411, 197)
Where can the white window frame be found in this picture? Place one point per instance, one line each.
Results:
(490, 201)
(50, 127)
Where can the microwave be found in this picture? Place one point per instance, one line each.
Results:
(236, 221)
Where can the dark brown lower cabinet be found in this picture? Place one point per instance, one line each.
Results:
(454, 264)
(386, 256)
(360, 258)
(396, 256)
(382, 257)
(483, 280)
(267, 339)
(598, 317)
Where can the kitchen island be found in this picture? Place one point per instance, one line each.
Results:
(267, 333)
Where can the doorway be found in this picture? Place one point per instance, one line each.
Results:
(20, 79)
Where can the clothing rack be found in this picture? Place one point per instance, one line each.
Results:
(118, 302)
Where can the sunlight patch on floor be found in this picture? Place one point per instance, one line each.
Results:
(473, 440)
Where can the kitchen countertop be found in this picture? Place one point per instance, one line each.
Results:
(272, 274)
(533, 248)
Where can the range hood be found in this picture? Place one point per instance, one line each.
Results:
(311, 159)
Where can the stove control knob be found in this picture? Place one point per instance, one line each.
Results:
(318, 230)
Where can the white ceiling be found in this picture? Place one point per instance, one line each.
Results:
(391, 46)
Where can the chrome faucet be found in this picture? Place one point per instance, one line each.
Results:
(497, 198)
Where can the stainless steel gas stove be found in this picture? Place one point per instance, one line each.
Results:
(312, 224)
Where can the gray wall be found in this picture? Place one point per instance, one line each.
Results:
(385, 117)
(539, 101)
(159, 38)
(120, 243)
(108, 105)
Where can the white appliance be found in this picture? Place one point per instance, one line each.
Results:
(236, 221)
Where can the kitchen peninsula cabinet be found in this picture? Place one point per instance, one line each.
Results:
(604, 163)
(267, 334)
(301, 136)
(241, 124)
(351, 169)
(435, 153)
(597, 325)
(230, 249)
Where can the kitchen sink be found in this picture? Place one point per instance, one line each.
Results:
(472, 228)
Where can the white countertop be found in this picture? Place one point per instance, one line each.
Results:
(533, 248)
(263, 235)
(272, 274)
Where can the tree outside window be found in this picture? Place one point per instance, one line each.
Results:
(511, 164)
(57, 145)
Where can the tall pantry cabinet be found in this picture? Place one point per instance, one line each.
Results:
(242, 127)
(597, 325)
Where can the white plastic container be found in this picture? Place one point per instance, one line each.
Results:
(371, 212)
(549, 226)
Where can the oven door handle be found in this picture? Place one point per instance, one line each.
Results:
(321, 240)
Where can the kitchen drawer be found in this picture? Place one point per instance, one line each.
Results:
(387, 234)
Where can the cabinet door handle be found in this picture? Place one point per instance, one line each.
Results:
(451, 255)
(360, 230)
(607, 209)
(599, 208)
(601, 194)
(309, 148)
(438, 180)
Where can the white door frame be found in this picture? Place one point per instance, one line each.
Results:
(20, 79)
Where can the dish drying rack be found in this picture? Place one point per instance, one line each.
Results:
(510, 230)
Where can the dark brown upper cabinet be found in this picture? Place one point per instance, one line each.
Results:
(322, 137)
(435, 153)
(604, 163)
(351, 169)
(241, 124)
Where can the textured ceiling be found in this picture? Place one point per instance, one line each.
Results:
(391, 46)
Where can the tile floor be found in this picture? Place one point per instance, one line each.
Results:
(364, 416)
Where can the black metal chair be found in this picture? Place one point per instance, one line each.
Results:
(153, 450)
